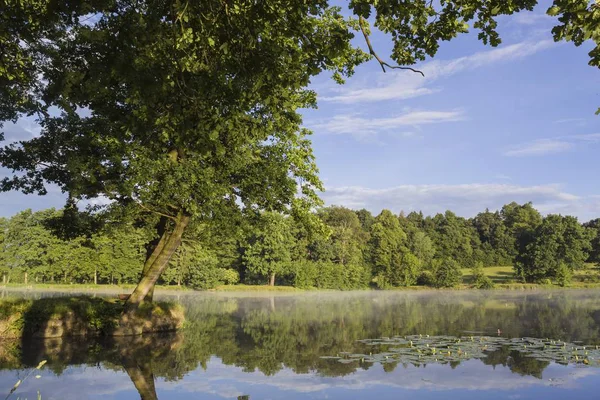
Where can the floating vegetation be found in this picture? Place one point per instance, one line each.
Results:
(425, 349)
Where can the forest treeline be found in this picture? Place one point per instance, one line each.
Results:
(355, 250)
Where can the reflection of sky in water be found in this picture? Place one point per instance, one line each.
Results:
(470, 380)
(283, 334)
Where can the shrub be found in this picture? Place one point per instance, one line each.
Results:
(328, 275)
(205, 277)
(230, 276)
(305, 274)
(563, 275)
(447, 274)
(426, 278)
(480, 280)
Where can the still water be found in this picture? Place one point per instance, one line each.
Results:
(365, 345)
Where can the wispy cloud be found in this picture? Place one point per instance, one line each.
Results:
(403, 85)
(531, 18)
(578, 121)
(357, 125)
(560, 144)
(464, 199)
(590, 137)
(539, 148)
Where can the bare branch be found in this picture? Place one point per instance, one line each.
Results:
(361, 22)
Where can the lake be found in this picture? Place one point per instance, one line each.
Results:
(355, 345)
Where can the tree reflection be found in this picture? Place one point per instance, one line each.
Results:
(272, 333)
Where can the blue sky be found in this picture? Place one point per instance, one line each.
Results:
(486, 126)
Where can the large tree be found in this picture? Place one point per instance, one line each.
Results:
(268, 252)
(559, 245)
(189, 110)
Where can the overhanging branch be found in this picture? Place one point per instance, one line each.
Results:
(361, 22)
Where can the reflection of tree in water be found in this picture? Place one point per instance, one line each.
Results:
(269, 334)
(517, 362)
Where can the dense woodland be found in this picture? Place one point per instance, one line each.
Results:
(356, 250)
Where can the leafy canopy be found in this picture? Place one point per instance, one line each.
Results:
(192, 107)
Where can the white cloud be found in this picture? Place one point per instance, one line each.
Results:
(463, 199)
(591, 137)
(356, 125)
(404, 85)
(539, 148)
(531, 18)
(578, 121)
(542, 147)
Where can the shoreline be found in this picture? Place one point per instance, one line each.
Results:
(260, 289)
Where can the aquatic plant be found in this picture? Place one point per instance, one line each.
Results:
(20, 381)
(425, 349)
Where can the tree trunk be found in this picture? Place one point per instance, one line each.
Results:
(95, 275)
(4, 279)
(142, 377)
(26, 278)
(153, 250)
(272, 279)
(160, 257)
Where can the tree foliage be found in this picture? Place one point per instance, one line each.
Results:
(396, 250)
(560, 245)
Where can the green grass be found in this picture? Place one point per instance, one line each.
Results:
(126, 288)
(255, 288)
(503, 277)
(82, 316)
(498, 274)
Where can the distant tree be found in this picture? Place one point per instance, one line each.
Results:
(27, 242)
(594, 228)
(393, 265)
(497, 242)
(268, 252)
(480, 279)
(348, 242)
(454, 238)
(446, 273)
(422, 247)
(366, 219)
(559, 246)
(4, 270)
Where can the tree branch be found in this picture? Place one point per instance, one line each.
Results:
(156, 212)
(361, 22)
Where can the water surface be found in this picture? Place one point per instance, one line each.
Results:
(312, 346)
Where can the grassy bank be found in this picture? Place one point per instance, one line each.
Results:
(125, 288)
(255, 288)
(502, 277)
(83, 316)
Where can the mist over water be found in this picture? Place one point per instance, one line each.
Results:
(311, 345)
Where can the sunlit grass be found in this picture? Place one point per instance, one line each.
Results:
(256, 288)
(86, 286)
(498, 274)
(504, 278)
